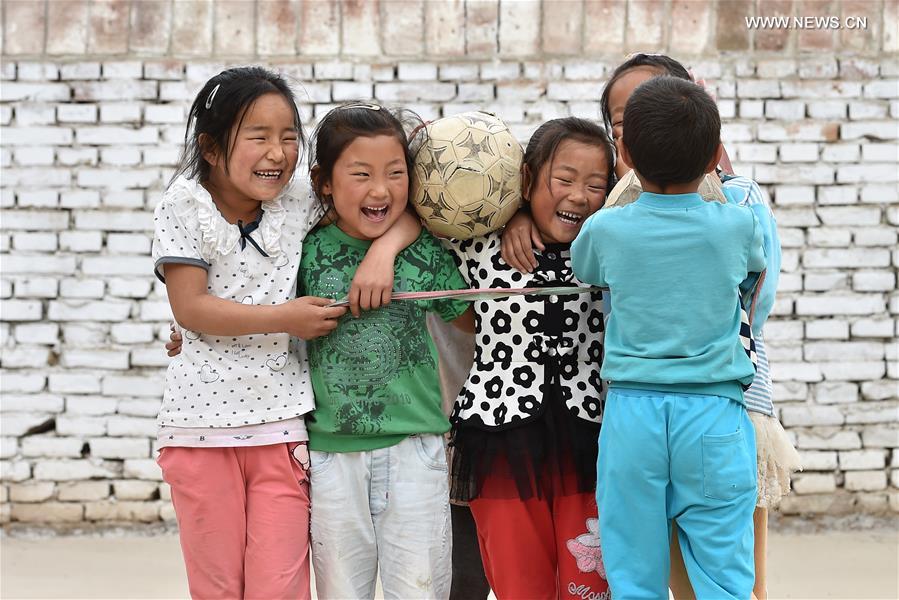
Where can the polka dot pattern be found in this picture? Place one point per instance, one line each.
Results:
(233, 381)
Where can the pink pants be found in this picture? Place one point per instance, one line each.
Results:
(243, 514)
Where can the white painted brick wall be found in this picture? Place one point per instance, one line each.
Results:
(814, 483)
(87, 146)
(867, 481)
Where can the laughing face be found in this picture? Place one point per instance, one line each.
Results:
(263, 156)
(569, 188)
(369, 185)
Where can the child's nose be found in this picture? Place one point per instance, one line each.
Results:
(379, 189)
(578, 195)
(275, 153)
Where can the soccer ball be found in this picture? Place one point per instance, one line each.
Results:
(467, 179)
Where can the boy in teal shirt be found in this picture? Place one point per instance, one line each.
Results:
(676, 440)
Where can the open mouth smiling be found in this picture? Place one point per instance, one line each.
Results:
(375, 213)
(569, 218)
(269, 175)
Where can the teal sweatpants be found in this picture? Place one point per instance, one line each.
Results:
(665, 456)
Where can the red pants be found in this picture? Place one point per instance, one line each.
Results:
(541, 548)
(243, 516)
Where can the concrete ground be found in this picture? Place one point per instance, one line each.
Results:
(802, 564)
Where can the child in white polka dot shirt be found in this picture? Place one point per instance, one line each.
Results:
(228, 240)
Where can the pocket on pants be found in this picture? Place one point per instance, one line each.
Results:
(728, 470)
(299, 458)
(431, 451)
(319, 462)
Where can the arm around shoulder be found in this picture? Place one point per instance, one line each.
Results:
(519, 238)
(372, 285)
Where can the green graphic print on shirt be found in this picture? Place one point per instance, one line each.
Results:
(375, 377)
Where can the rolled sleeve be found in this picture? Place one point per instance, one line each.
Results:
(174, 242)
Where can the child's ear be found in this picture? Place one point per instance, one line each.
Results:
(525, 183)
(208, 149)
(713, 164)
(323, 188)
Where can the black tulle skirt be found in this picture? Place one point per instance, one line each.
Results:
(553, 445)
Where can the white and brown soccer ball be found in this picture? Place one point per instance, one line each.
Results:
(467, 179)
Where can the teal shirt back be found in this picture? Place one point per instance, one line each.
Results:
(673, 264)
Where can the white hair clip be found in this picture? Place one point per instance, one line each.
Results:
(212, 96)
(361, 105)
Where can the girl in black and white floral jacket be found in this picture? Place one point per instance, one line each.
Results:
(526, 422)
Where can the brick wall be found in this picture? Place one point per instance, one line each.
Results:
(92, 103)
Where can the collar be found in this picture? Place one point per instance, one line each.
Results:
(555, 251)
(344, 238)
(221, 237)
(553, 264)
(245, 231)
(670, 201)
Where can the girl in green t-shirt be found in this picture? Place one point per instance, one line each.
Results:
(378, 463)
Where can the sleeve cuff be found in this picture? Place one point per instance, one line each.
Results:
(181, 260)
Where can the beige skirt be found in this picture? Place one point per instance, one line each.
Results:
(777, 459)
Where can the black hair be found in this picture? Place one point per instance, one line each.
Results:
(664, 64)
(671, 130)
(342, 125)
(545, 141)
(222, 103)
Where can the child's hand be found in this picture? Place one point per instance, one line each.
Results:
(372, 285)
(173, 347)
(309, 317)
(520, 237)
